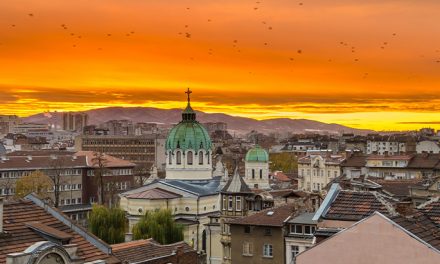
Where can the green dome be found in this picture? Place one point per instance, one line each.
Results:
(257, 154)
(188, 134)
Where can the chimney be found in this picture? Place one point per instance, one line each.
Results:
(404, 208)
(1, 215)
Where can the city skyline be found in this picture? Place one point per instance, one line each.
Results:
(369, 65)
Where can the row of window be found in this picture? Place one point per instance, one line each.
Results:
(70, 201)
(229, 203)
(302, 229)
(7, 191)
(317, 173)
(189, 158)
(113, 172)
(120, 186)
(248, 249)
(68, 187)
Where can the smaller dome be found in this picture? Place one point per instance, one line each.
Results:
(257, 154)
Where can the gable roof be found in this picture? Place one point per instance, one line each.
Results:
(356, 205)
(18, 218)
(370, 241)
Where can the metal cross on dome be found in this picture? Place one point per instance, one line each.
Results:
(188, 92)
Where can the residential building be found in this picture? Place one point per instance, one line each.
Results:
(299, 235)
(425, 190)
(379, 239)
(316, 171)
(78, 189)
(390, 144)
(259, 238)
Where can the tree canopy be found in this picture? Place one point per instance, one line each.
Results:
(285, 162)
(36, 182)
(108, 224)
(160, 226)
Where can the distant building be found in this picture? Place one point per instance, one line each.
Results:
(8, 123)
(26, 128)
(428, 146)
(74, 121)
(118, 127)
(147, 150)
(392, 145)
(316, 171)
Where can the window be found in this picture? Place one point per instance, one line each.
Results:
(189, 158)
(296, 229)
(261, 174)
(247, 229)
(230, 203)
(294, 251)
(336, 173)
(170, 158)
(253, 174)
(178, 158)
(309, 230)
(267, 251)
(247, 249)
(201, 158)
(224, 203)
(267, 232)
(238, 203)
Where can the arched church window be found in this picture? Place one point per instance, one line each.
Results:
(253, 173)
(170, 158)
(200, 157)
(189, 158)
(178, 158)
(261, 174)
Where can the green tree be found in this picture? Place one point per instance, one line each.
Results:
(285, 162)
(160, 226)
(36, 182)
(107, 224)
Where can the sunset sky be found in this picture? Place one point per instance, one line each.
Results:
(366, 64)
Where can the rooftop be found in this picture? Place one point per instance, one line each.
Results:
(271, 217)
(147, 249)
(24, 221)
(432, 210)
(356, 205)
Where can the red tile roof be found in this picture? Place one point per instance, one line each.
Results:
(355, 205)
(422, 227)
(280, 176)
(18, 237)
(147, 249)
(432, 210)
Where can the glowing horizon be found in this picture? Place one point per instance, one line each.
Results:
(372, 65)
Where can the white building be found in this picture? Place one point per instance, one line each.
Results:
(316, 171)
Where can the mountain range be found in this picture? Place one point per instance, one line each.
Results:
(167, 117)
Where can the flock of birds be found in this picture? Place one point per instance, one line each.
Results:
(187, 34)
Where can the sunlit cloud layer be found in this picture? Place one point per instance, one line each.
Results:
(366, 64)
